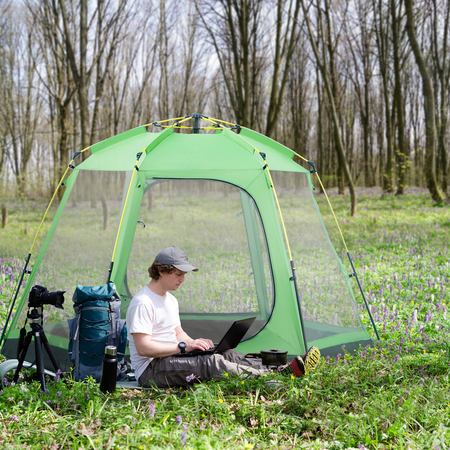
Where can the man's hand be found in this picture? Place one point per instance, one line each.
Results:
(192, 344)
(199, 344)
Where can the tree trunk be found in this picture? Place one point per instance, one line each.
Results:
(402, 150)
(322, 64)
(430, 112)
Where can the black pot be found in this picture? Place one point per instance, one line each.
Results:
(274, 357)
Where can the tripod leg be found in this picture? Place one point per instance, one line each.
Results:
(50, 352)
(22, 355)
(39, 360)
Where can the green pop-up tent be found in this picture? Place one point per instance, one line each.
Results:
(239, 206)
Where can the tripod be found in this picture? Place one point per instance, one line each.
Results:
(39, 338)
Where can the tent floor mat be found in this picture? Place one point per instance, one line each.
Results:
(11, 364)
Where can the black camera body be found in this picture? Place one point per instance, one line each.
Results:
(40, 296)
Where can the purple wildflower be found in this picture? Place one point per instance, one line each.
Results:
(152, 409)
(190, 378)
(178, 419)
(58, 375)
(183, 436)
(49, 402)
(11, 399)
(58, 394)
(397, 357)
(5, 382)
(14, 418)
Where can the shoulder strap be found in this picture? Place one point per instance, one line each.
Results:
(76, 344)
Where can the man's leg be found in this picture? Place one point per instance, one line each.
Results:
(173, 371)
(240, 359)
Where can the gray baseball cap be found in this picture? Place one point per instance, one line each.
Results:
(173, 256)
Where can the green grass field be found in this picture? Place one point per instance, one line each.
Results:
(392, 396)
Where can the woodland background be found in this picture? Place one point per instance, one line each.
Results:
(360, 87)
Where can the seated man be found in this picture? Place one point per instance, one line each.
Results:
(155, 334)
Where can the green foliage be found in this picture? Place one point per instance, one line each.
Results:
(395, 395)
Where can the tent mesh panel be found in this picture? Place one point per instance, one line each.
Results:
(327, 301)
(81, 247)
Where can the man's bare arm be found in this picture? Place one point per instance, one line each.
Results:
(145, 346)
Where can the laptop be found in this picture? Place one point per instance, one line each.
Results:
(230, 340)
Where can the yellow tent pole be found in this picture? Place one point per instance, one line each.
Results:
(123, 213)
(326, 196)
(294, 277)
(223, 121)
(332, 211)
(165, 120)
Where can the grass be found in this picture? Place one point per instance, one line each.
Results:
(393, 396)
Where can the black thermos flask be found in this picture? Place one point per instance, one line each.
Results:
(109, 370)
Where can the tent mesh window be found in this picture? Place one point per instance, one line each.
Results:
(80, 249)
(77, 250)
(219, 228)
(326, 297)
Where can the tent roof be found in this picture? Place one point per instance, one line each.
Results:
(224, 150)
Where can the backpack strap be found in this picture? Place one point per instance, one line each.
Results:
(76, 343)
(112, 320)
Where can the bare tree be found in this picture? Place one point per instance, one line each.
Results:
(107, 34)
(361, 36)
(383, 39)
(429, 105)
(298, 98)
(398, 101)
(320, 52)
(234, 31)
(21, 104)
(440, 57)
(285, 40)
(51, 65)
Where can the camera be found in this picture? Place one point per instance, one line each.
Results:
(40, 296)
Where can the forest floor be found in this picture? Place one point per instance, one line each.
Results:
(395, 395)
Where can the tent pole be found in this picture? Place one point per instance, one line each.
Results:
(294, 279)
(354, 274)
(135, 169)
(19, 284)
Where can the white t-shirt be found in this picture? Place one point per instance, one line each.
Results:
(151, 314)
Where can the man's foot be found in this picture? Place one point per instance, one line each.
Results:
(296, 367)
(301, 365)
(311, 359)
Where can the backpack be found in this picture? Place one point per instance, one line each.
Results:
(96, 325)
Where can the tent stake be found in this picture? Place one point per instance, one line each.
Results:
(354, 274)
(19, 284)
